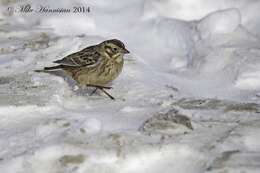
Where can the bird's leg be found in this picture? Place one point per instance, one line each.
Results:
(102, 88)
(94, 91)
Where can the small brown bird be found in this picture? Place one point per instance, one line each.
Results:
(94, 66)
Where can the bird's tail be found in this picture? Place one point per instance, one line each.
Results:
(46, 69)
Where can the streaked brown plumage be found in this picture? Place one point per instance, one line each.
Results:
(94, 66)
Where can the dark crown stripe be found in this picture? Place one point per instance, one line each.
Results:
(117, 42)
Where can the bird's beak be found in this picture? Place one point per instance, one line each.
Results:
(125, 51)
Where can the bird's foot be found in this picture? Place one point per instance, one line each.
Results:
(102, 88)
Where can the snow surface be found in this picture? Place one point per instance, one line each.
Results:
(198, 58)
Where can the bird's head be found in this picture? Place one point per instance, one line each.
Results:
(114, 48)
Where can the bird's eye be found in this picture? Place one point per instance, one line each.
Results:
(115, 49)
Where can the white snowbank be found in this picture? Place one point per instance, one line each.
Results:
(220, 22)
(195, 10)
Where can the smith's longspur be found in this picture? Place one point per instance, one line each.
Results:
(94, 66)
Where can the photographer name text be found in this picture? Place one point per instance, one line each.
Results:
(47, 9)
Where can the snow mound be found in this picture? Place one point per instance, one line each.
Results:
(162, 37)
(219, 22)
(194, 10)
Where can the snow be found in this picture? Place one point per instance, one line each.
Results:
(92, 126)
(195, 10)
(221, 22)
(187, 100)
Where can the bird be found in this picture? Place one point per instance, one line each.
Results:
(94, 66)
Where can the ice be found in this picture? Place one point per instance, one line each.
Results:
(187, 100)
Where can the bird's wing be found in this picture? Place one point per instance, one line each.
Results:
(86, 57)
